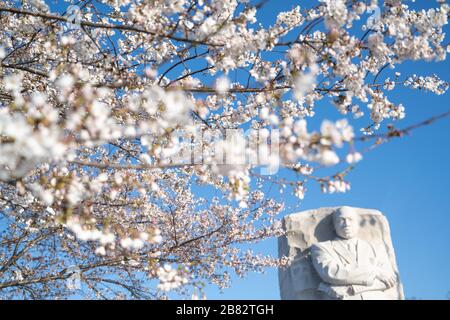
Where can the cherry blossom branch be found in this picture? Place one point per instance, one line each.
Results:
(129, 167)
(394, 133)
(107, 26)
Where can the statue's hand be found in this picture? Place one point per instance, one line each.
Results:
(338, 292)
(387, 277)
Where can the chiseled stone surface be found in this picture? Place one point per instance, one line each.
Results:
(359, 263)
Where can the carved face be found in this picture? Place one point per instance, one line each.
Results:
(346, 223)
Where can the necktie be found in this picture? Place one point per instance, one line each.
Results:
(351, 246)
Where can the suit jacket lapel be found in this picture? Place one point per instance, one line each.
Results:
(358, 253)
(365, 252)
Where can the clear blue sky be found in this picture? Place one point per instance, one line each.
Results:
(407, 179)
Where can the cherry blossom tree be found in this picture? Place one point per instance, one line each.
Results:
(137, 138)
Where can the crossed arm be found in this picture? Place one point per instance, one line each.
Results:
(336, 273)
(340, 280)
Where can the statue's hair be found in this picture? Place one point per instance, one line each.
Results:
(339, 211)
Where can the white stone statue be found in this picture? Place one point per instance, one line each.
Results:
(338, 253)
